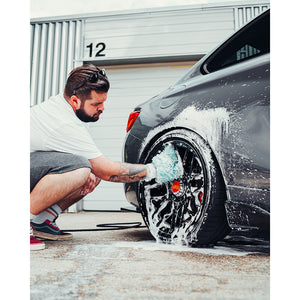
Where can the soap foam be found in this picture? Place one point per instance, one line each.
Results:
(156, 246)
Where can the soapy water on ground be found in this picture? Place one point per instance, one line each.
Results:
(113, 250)
(91, 261)
(234, 245)
(237, 243)
(222, 249)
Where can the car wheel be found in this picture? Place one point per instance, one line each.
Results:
(189, 210)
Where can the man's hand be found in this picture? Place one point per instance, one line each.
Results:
(90, 184)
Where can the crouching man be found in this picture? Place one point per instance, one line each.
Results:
(65, 163)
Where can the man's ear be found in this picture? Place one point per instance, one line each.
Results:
(74, 102)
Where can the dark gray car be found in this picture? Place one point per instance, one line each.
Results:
(217, 116)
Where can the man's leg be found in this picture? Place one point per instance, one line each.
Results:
(56, 180)
(52, 188)
(70, 199)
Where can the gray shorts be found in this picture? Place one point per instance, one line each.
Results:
(43, 163)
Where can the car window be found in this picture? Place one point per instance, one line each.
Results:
(251, 41)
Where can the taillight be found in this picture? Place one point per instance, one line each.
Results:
(132, 117)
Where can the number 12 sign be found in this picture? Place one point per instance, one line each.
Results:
(96, 51)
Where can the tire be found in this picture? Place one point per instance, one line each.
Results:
(189, 210)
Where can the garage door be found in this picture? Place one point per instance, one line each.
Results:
(130, 86)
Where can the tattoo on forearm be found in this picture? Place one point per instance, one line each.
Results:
(129, 173)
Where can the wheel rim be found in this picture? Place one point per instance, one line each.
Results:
(173, 209)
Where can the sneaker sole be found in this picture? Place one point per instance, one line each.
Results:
(36, 247)
(47, 236)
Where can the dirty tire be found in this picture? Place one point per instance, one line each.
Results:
(189, 210)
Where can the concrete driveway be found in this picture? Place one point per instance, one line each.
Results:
(129, 264)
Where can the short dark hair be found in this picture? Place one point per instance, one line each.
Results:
(80, 84)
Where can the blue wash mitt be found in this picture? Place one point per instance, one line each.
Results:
(168, 165)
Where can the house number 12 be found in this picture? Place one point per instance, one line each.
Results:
(100, 47)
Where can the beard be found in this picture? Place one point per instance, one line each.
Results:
(80, 113)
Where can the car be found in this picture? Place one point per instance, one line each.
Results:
(217, 117)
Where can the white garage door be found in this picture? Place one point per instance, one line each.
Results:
(130, 86)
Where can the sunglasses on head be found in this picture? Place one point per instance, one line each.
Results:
(92, 78)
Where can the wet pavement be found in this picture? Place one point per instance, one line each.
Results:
(129, 264)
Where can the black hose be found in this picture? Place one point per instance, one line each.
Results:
(111, 226)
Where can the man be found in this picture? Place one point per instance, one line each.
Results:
(65, 163)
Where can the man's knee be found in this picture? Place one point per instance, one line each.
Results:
(82, 174)
(91, 183)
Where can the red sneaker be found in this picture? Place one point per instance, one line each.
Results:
(35, 244)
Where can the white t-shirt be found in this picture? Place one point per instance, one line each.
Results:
(55, 127)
